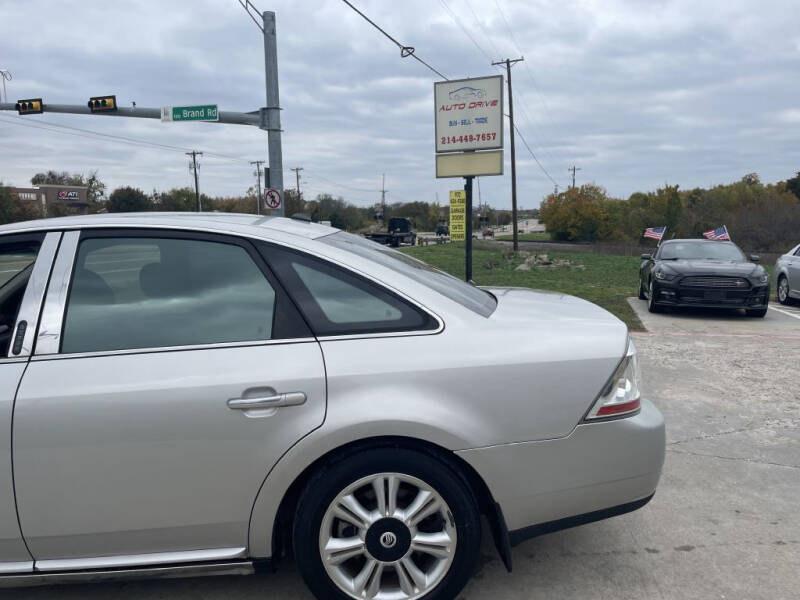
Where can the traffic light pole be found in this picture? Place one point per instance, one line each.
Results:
(273, 109)
(227, 117)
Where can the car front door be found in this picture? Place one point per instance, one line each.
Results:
(171, 372)
(25, 262)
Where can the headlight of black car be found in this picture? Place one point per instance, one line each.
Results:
(662, 275)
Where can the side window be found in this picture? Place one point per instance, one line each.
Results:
(335, 301)
(16, 264)
(142, 292)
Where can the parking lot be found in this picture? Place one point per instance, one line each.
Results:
(723, 524)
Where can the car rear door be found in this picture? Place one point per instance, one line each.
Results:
(794, 272)
(25, 262)
(171, 372)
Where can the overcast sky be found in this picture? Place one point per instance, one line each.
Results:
(637, 93)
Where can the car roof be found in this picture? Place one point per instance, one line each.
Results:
(248, 224)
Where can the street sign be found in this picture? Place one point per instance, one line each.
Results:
(458, 215)
(202, 112)
(272, 199)
(469, 114)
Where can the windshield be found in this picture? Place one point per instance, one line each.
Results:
(459, 291)
(700, 250)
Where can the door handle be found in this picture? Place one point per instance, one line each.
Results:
(276, 401)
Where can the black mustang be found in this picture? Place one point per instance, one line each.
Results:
(703, 273)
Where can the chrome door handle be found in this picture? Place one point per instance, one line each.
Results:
(278, 400)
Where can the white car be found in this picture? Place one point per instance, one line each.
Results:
(199, 394)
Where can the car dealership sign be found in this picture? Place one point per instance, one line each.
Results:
(469, 114)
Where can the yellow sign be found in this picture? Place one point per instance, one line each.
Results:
(458, 215)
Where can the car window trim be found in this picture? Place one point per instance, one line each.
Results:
(161, 349)
(403, 298)
(31, 307)
(50, 336)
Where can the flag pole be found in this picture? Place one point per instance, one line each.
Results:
(662, 237)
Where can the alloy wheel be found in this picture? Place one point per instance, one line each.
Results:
(387, 536)
(783, 290)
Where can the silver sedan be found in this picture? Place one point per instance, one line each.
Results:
(201, 394)
(787, 275)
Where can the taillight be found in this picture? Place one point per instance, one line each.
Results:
(621, 395)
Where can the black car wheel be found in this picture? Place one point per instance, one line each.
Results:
(756, 312)
(783, 291)
(388, 522)
(651, 299)
(641, 291)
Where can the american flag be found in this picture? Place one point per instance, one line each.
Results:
(655, 233)
(720, 233)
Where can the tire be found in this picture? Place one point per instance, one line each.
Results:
(641, 291)
(651, 300)
(756, 312)
(783, 291)
(455, 519)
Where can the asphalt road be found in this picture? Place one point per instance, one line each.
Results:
(724, 523)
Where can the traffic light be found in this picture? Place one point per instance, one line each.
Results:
(29, 107)
(103, 103)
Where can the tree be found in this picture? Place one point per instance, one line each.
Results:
(13, 210)
(128, 199)
(178, 199)
(577, 214)
(56, 178)
(793, 185)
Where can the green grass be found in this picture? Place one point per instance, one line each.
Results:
(539, 236)
(606, 280)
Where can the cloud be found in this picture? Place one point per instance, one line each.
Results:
(635, 92)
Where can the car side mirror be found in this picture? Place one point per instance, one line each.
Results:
(755, 258)
(646, 256)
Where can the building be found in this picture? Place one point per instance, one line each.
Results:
(48, 195)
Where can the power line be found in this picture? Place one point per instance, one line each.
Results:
(90, 134)
(342, 185)
(466, 32)
(458, 22)
(536, 88)
(483, 29)
(405, 51)
(553, 181)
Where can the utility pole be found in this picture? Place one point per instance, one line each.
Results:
(258, 164)
(5, 75)
(573, 168)
(194, 154)
(383, 200)
(508, 62)
(555, 190)
(297, 174)
(273, 111)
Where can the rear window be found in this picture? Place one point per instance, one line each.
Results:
(466, 295)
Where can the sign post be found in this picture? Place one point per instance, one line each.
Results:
(469, 143)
